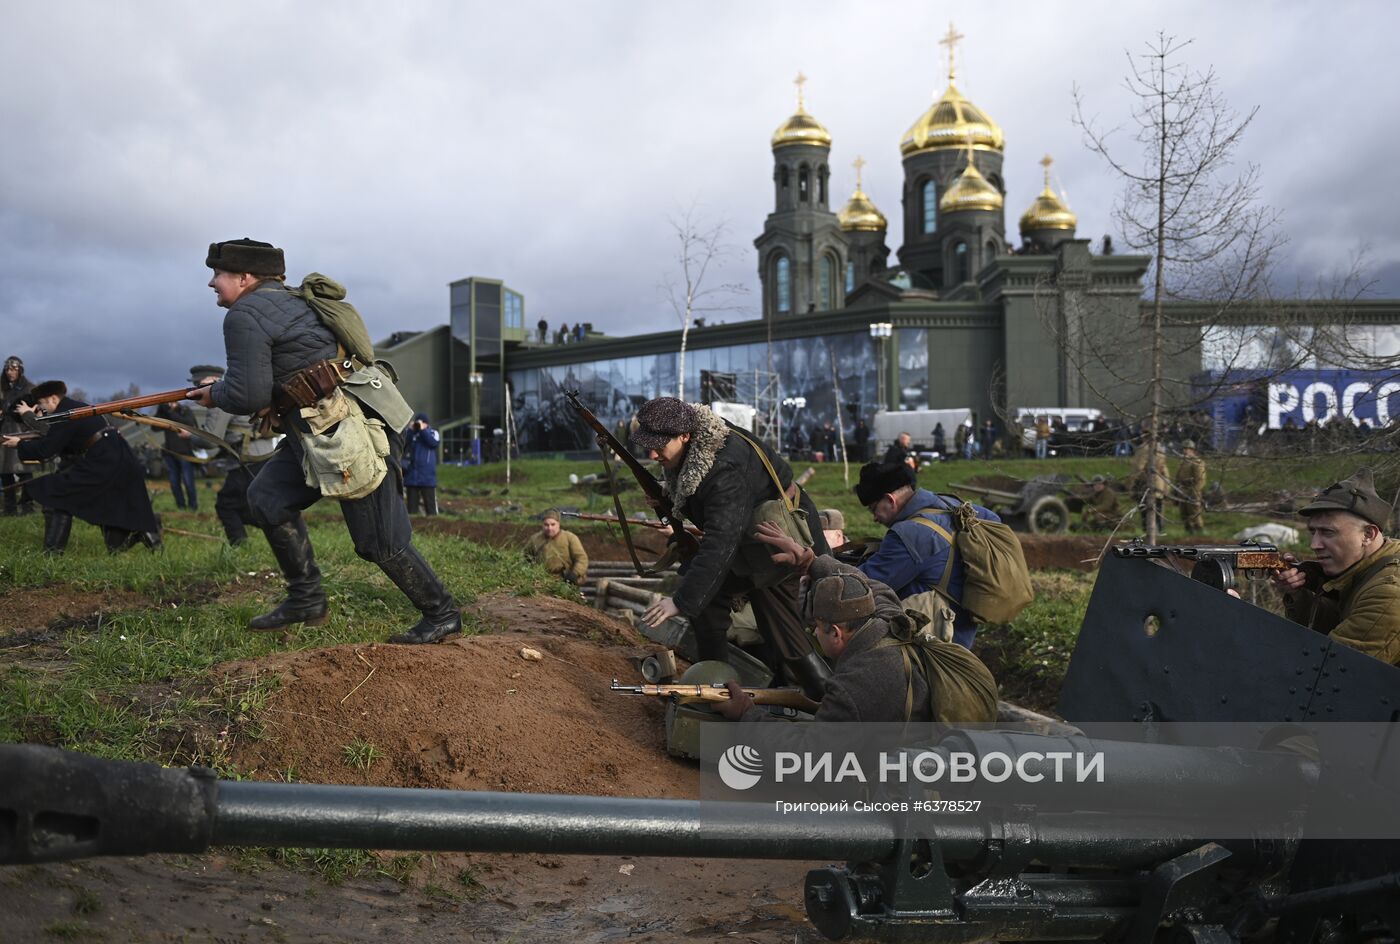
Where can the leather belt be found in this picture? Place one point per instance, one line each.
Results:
(308, 385)
(92, 440)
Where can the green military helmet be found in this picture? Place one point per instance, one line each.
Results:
(710, 672)
(683, 721)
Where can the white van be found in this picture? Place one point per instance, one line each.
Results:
(919, 424)
(1077, 419)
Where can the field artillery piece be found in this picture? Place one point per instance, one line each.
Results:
(1039, 506)
(1175, 851)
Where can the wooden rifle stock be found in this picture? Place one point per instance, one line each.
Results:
(681, 691)
(117, 406)
(656, 495)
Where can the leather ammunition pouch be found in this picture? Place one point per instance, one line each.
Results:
(310, 384)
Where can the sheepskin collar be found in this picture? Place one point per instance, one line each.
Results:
(705, 444)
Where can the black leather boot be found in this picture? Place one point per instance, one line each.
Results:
(152, 538)
(306, 601)
(415, 577)
(57, 526)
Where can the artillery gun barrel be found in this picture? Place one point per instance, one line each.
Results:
(57, 804)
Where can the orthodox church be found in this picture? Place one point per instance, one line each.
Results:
(813, 260)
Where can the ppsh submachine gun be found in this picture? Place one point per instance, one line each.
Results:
(1170, 850)
(1218, 565)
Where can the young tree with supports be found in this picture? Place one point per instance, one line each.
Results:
(1185, 205)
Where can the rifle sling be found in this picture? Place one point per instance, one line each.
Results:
(665, 560)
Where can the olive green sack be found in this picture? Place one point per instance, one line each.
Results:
(754, 559)
(326, 297)
(996, 581)
(960, 687)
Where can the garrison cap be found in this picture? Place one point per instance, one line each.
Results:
(661, 420)
(200, 371)
(832, 519)
(1188, 444)
(881, 478)
(551, 513)
(1356, 495)
(246, 255)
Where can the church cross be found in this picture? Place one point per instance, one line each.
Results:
(951, 41)
(1045, 162)
(858, 163)
(800, 81)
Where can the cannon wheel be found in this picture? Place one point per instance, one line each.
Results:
(1048, 515)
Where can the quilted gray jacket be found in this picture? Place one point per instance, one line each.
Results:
(269, 334)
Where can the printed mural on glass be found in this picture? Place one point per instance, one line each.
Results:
(810, 371)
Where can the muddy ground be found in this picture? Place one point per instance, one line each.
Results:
(473, 714)
(480, 713)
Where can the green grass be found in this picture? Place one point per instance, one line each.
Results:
(73, 931)
(360, 755)
(537, 484)
(1029, 656)
(138, 685)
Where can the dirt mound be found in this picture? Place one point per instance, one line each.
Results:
(1062, 551)
(40, 607)
(472, 714)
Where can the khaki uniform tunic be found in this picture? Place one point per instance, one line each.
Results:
(560, 555)
(1359, 608)
(1190, 493)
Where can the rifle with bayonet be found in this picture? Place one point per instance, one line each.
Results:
(612, 519)
(1216, 564)
(717, 691)
(683, 543)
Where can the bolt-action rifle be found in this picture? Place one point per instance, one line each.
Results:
(124, 405)
(686, 692)
(1217, 564)
(612, 519)
(683, 543)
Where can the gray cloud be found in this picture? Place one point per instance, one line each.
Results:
(400, 147)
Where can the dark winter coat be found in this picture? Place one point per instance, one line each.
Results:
(420, 455)
(897, 453)
(912, 557)
(103, 484)
(174, 442)
(269, 334)
(717, 487)
(10, 422)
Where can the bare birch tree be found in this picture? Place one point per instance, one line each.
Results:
(702, 245)
(1186, 205)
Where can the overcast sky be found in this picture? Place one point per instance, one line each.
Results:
(397, 147)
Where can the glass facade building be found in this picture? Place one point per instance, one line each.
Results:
(836, 375)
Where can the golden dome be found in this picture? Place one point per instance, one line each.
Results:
(859, 214)
(1048, 211)
(971, 191)
(949, 124)
(801, 128)
(953, 121)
